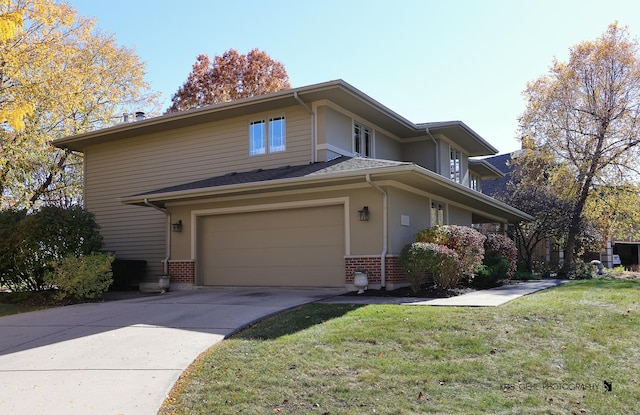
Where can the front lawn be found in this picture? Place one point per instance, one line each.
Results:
(22, 302)
(550, 353)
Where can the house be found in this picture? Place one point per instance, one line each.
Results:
(294, 188)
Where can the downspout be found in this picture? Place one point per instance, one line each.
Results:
(165, 262)
(385, 232)
(313, 125)
(437, 150)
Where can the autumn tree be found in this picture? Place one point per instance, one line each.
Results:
(536, 186)
(229, 77)
(586, 113)
(616, 211)
(59, 76)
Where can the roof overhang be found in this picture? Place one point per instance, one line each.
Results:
(461, 134)
(337, 91)
(485, 169)
(484, 208)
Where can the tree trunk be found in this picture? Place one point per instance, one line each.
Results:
(576, 217)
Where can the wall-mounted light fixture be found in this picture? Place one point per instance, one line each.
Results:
(177, 227)
(364, 213)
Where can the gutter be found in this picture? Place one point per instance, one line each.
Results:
(385, 232)
(313, 125)
(165, 261)
(437, 149)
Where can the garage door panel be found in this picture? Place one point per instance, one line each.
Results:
(293, 247)
(296, 218)
(273, 257)
(285, 278)
(284, 238)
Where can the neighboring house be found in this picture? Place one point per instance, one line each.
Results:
(616, 252)
(294, 188)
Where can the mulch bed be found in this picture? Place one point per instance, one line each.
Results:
(425, 292)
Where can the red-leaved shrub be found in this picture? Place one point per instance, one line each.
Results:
(440, 262)
(465, 241)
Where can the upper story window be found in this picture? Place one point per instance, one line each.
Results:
(362, 140)
(474, 182)
(267, 137)
(455, 165)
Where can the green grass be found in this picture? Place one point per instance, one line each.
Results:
(546, 353)
(22, 302)
(8, 309)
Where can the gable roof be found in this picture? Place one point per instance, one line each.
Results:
(340, 171)
(337, 91)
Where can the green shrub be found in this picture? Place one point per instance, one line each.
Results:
(498, 245)
(439, 261)
(9, 220)
(81, 278)
(40, 239)
(616, 271)
(414, 262)
(493, 269)
(581, 271)
(524, 275)
(465, 241)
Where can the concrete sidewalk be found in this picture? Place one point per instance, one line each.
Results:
(123, 357)
(481, 298)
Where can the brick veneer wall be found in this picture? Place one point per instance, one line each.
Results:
(182, 271)
(371, 263)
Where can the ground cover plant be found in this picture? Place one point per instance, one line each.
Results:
(22, 302)
(550, 352)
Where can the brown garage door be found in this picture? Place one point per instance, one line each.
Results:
(292, 247)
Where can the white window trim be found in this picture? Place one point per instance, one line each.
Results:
(458, 153)
(474, 177)
(266, 122)
(282, 147)
(444, 212)
(363, 127)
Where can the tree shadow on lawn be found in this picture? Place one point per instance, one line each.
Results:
(294, 320)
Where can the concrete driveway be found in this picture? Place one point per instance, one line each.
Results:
(123, 357)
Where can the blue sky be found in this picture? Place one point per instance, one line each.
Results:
(428, 60)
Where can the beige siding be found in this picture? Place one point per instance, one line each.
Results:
(387, 148)
(146, 163)
(421, 153)
(411, 205)
(365, 237)
(459, 216)
(339, 130)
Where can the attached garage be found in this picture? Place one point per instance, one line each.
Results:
(285, 247)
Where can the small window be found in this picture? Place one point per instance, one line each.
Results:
(474, 182)
(259, 130)
(276, 134)
(437, 213)
(454, 165)
(362, 140)
(257, 143)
